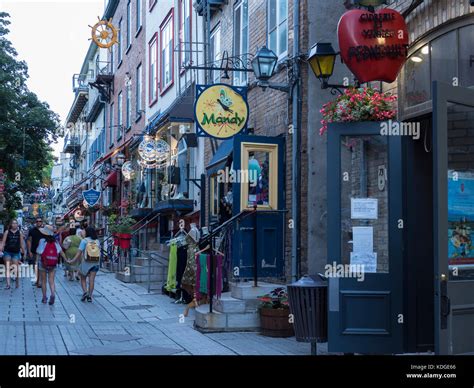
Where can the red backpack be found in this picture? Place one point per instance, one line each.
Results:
(49, 257)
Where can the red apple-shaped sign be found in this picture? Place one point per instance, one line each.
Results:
(374, 45)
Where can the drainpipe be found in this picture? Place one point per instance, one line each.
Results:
(296, 159)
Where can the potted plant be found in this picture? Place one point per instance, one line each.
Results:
(275, 314)
(356, 105)
(124, 231)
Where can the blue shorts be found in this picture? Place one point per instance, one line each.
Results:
(11, 255)
(41, 267)
(95, 269)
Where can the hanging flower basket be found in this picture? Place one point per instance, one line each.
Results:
(358, 104)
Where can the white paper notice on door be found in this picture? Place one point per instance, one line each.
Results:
(364, 262)
(363, 239)
(364, 208)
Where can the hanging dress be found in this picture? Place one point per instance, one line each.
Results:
(188, 282)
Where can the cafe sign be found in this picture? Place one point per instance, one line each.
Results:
(221, 111)
(374, 45)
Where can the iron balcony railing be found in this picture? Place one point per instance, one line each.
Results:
(71, 145)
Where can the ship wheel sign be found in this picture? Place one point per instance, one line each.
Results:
(104, 33)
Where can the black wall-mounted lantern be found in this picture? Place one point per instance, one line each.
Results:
(322, 59)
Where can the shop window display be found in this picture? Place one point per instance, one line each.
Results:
(460, 192)
(260, 180)
(259, 184)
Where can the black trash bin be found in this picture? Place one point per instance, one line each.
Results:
(308, 300)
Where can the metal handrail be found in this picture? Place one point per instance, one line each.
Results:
(211, 236)
(150, 257)
(134, 232)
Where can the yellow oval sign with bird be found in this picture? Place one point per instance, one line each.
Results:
(221, 110)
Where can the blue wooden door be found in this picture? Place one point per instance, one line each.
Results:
(259, 237)
(365, 231)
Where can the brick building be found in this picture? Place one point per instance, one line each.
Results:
(238, 29)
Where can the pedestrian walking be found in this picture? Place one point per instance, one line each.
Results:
(49, 251)
(89, 252)
(34, 237)
(71, 247)
(81, 229)
(13, 247)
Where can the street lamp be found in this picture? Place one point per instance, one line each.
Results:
(263, 65)
(120, 158)
(322, 58)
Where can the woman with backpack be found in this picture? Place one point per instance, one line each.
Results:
(89, 250)
(49, 251)
(13, 247)
(71, 246)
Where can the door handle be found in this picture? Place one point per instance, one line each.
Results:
(445, 308)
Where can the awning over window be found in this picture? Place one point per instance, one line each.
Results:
(111, 180)
(182, 206)
(219, 160)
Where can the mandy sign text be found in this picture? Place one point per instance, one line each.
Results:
(221, 111)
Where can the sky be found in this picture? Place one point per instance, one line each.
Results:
(52, 37)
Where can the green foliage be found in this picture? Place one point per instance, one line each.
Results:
(125, 224)
(121, 224)
(27, 126)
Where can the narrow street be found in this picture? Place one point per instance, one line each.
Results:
(122, 320)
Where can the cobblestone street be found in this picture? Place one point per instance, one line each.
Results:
(122, 320)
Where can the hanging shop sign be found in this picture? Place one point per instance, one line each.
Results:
(374, 45)
(221, 111)
(128, 170)
(153, 152)
(79, 215)
(91, 197)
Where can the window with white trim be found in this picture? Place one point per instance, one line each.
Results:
(129, 23)
(128, 122)
(185, 36)
(111, 125)
(139, 20)
(216, 53)
(119, 116)
(166, 62)
(120, 44)
(139, 90)
(153, 69)
(241, 39)
(278, 27)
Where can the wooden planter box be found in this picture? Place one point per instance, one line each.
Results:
(276, 323)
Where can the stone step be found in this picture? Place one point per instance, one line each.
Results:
(218, 322)
(134, 278)
(228, 304)
(144, 270)
(246, 290)
(145, 262)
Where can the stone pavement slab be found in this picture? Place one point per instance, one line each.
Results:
(122, 320)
